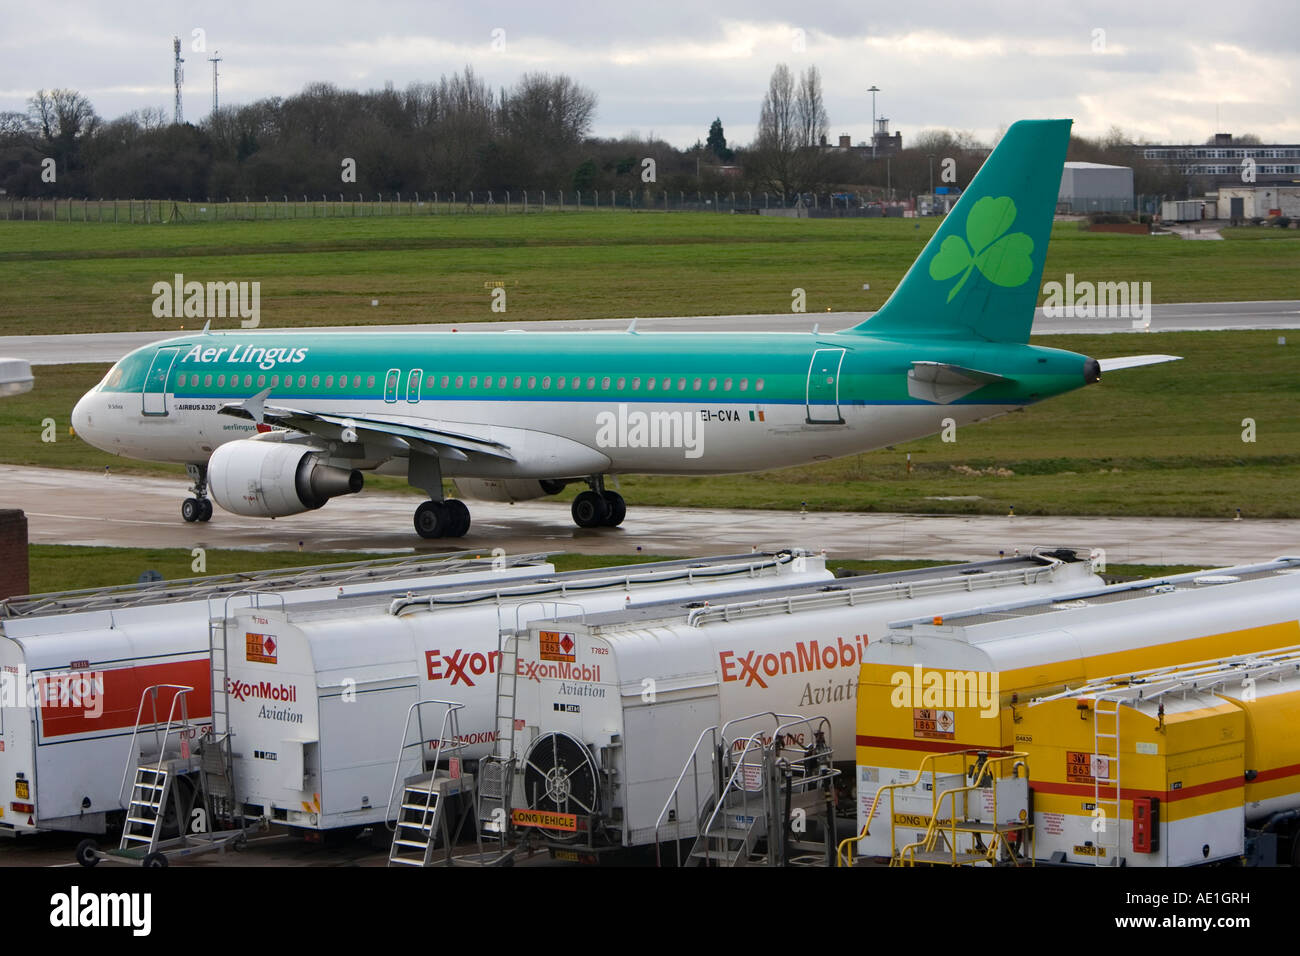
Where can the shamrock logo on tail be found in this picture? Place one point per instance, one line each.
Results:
(1003, 259)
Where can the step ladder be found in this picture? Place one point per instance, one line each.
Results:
(738, 805)
(144, 813)
(422, 819)
(1105, 747)
(421, 813)
(960, 831)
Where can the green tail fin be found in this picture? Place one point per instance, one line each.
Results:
(978, 276)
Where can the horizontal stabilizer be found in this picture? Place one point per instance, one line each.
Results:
(1133, 361)
(943, 384)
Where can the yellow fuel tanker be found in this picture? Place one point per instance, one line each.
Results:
(963, 683)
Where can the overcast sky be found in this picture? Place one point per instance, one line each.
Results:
(1158, 70)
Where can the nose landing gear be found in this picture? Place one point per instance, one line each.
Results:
(198, 508)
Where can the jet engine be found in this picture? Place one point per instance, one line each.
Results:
(507, 489)
(264, 479)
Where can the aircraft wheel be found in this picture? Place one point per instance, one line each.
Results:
(191, 509)
(617, 509)
(589, 510)
(154, 861)
(457, 518)
(207, 509)
(431, 520)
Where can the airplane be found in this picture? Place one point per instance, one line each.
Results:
(274, 423)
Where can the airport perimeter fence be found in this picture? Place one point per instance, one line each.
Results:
(356, 206)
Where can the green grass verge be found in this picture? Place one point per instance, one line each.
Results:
(56, 567)
(73, 277)
(1164, 440)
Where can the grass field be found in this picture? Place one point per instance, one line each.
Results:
(1163, 440)
(62, 567)
(74, 277)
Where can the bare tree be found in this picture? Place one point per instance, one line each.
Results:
(810, 110)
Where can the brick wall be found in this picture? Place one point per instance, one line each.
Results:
(13, 554)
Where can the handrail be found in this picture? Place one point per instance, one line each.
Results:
(673, 801)
(449, 715)
(133, 757)
(936, 802)
(750, 742)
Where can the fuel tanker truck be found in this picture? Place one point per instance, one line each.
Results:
(604, 708)
(938, 694)
(316, 695)
(74, 664)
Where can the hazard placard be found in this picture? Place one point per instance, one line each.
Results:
(933, 724)
(543, 818)
(1085, 768)
(557, 646)
(260, 648)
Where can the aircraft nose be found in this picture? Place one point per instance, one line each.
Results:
(81, 418)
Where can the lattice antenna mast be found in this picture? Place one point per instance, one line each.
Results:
(214, 60)
(178, 78)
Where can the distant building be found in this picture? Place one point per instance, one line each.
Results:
(1253, 202)
(1223, 162)
(886, 143)
(1095, 187)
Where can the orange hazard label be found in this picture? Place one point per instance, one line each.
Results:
(1083, 768)
(260, 648)
(542, 818)
(933, 724)
(556, 646)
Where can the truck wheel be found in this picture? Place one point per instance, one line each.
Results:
(87, 853)
(155, 861)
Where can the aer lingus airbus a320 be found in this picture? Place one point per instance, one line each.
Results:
(274, 423)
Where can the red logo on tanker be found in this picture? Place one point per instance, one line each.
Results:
(756, 667)
(461, 666)
(260, 648)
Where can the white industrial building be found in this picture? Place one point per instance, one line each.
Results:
(1095, 187)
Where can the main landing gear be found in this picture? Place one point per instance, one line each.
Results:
(442, 519)
(599, 508)
(198, 508)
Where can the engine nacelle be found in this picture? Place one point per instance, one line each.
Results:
(507, 489)
(264, 479)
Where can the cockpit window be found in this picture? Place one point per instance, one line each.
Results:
(113, 378)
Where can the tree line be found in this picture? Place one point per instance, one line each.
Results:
(459, 134)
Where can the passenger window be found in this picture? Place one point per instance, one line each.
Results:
(248, 381)
(518, 381)
(460, 380)
(546, 382)
(696, 385)
(180, 382)
(713, 385)
(445, 380)
(758, 385)
(649, 385)
(604, 383)
(261, 381)
(636, 384)
(532, 381)
(591, 382)
(681, 385)
(668, 384)
(577, 383)
(329, 381)
(473, 381)
(726, 385)
(622, 383)
(744, 384)
(561, 382)
(275, 381)
(315, 381)
(302, 381)
(487, 381)
(370, 381)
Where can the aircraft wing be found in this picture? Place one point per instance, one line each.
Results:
(457, 442)
(1133, 361)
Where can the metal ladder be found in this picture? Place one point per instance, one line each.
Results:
(496, 772)
(755, 783)
(1106, 714)
(421, 814)
(152, 785)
